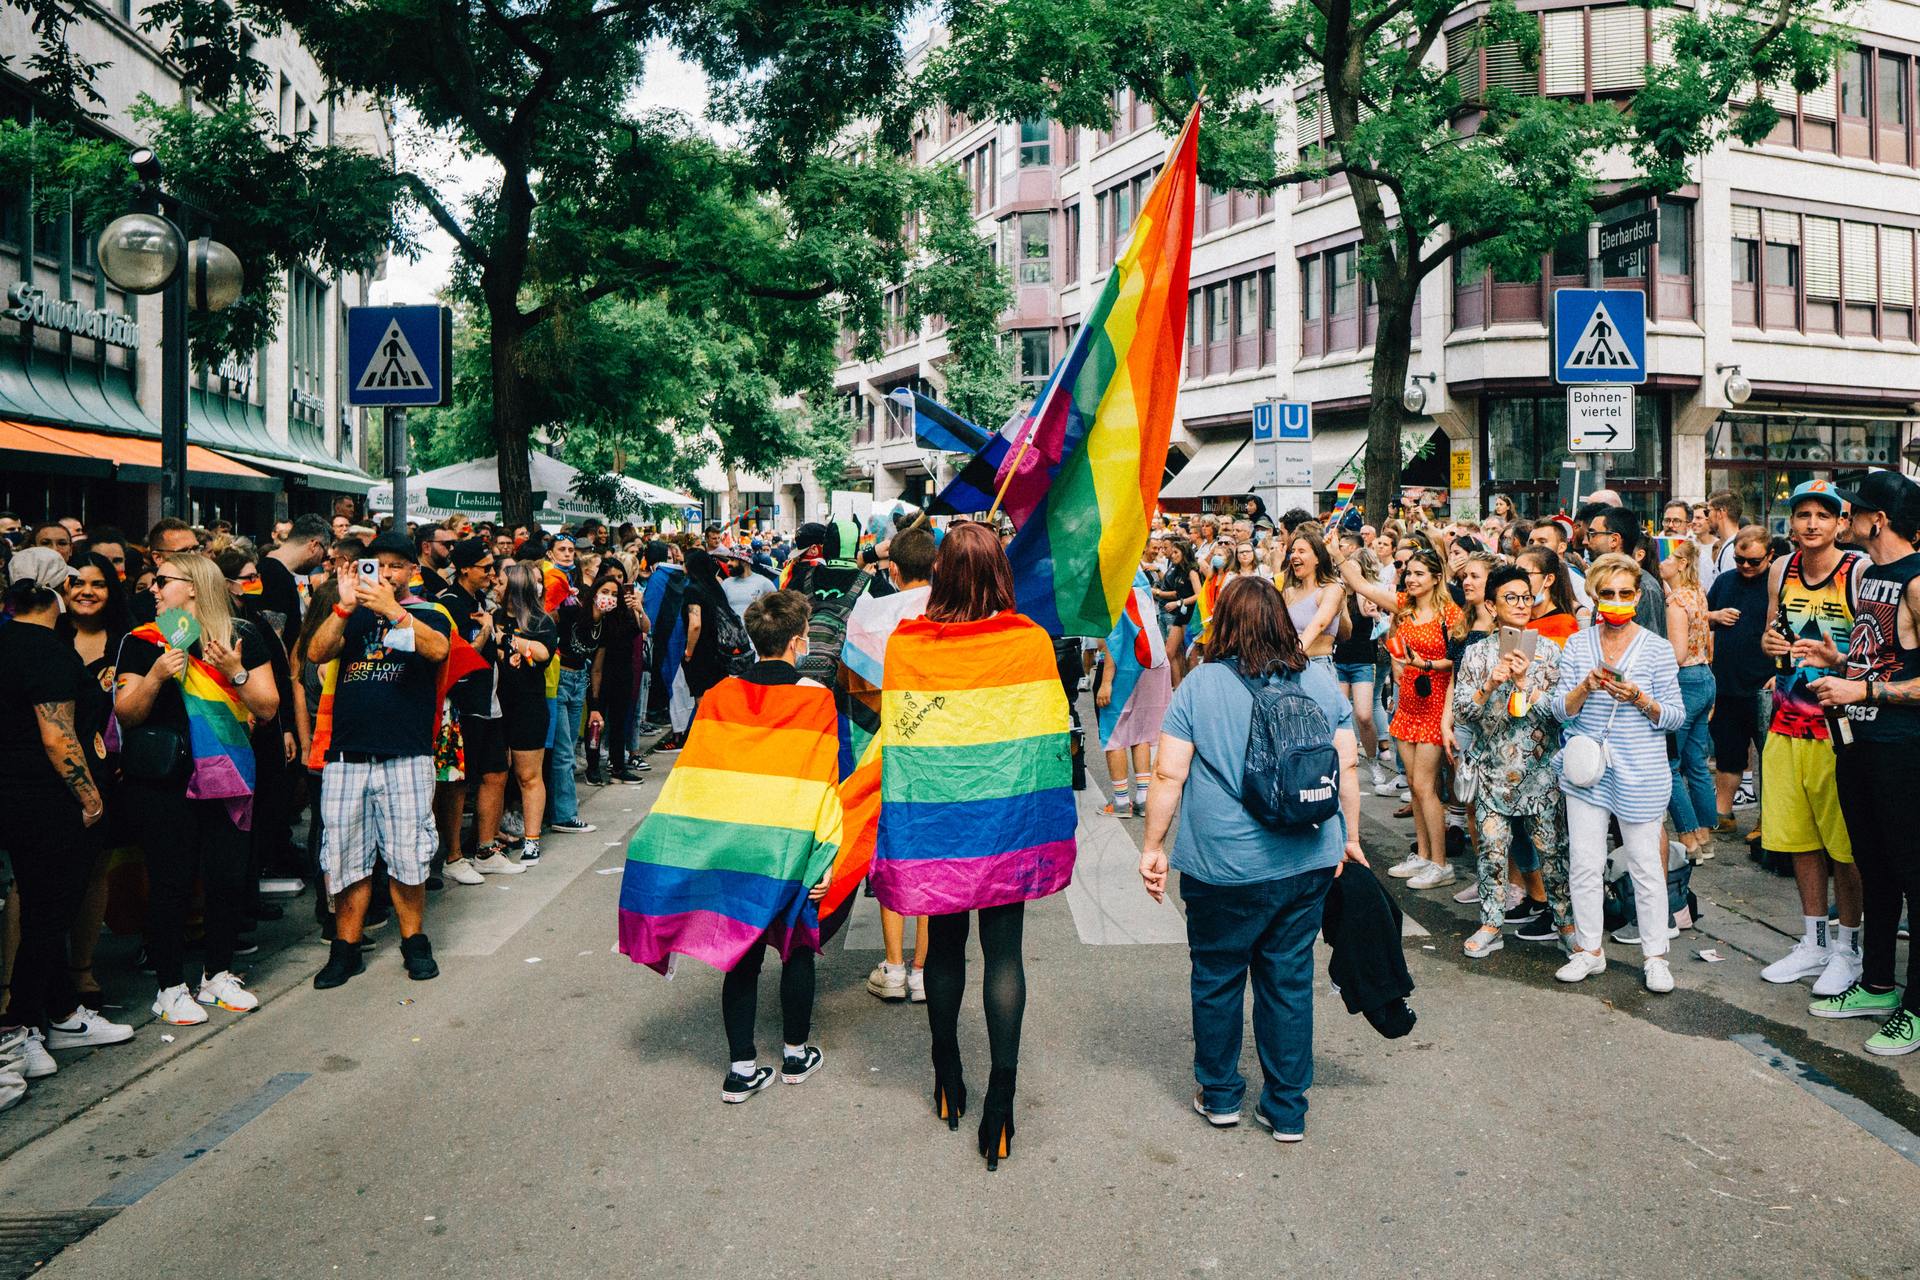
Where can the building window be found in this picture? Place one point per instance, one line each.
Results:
(1029, 246)
(895, 333)
(306, 348)
(979, 168)
(1069, 145)
(1822, 274)
(1762, 458)
(1864, 109)
(1230, 325)
(1116, 208)
(1523, 440)
(1070, 249)
(1481, 299)
(1036, 142)
(1036, 355)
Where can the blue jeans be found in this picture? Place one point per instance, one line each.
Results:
(569, 704)
(1267, 928)
(1694, 804)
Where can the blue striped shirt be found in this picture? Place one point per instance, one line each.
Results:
(1639, 782)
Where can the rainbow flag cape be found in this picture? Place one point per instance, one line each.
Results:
(1083, 491)
(219, 734)
(1135, 646)
(747, 823)
(976, 776)
(863, 660)
(1204, 603)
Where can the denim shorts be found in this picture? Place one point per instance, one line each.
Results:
(1353, 672)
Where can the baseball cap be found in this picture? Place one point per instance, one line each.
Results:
(393, 544)
(1879, 491)
(43, 567)
(1820, 490)
(470, 552)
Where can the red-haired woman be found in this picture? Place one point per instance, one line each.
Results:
(977, 811)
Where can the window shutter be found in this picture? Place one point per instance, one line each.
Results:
(1565, 51)
(1783, 98)
(1822, 258)
(1782, 228)
(1819, 103)
(1323, 115)
(1663, 47)
(1746, 223)
(1306, 121)
(1463, 54)
(1896, 266)
(1508, 70)
(1863, 276)
(1619, 48)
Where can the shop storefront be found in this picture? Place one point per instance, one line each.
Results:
(1523, 441)
(1762, 453)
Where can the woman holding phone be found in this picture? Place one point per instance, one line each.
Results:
(1619, 697)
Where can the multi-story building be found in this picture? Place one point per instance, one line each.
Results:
(270, 433)
(1789, 265)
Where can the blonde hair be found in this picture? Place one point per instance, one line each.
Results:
(1607, 567)
(1686, 556)
(212, 604)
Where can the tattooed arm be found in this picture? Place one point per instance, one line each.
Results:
(1835, 692)
(62, 745)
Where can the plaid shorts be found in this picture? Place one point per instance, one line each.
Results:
(380, 810)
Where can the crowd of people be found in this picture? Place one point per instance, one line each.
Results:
(200, 721)
(1573, 707)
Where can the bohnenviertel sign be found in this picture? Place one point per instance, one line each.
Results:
(33, 305)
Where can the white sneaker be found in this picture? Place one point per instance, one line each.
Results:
(27, 1048)
(1400, 784)
(1842, 971)
(1659, 975)
(1580, 966)
(887, 984)
(1804, 961)
(223, 991)
(1410, 865)
(85, 1029)
(13, 1088)
(495, 864)
(1382, 780)
(177, 1005)
(1433, 877)
(916, 985)
(462, 872)
(1470, 894)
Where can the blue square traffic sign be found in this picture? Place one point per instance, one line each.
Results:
(400, 357)
(1282, 420)
(1599, 335)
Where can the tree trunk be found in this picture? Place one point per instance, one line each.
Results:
(511, 431)
(733, 495)
(1385, 413)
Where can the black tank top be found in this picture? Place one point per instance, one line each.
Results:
(1358, 647)
(1876, 652)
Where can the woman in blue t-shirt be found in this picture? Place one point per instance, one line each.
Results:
(1253, 894)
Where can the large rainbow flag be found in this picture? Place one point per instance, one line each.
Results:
(219, 733)
(1089, 481)
(976, 775)
(747, 823)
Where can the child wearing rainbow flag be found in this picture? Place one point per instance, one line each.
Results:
(737, 852)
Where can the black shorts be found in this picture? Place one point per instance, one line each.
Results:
(486, 742)
(526, 721)
(1734, 728)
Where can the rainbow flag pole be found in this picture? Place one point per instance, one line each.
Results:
(1084, 476)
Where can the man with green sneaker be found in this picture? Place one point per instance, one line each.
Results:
(1881, 698)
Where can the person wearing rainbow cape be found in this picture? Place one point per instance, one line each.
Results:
(736, 854)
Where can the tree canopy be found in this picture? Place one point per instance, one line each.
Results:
(1440, 160)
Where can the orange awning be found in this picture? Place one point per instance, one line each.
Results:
(85, 451)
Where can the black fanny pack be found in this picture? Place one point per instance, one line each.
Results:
(154, 753)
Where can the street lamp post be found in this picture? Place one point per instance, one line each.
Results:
(146, 253)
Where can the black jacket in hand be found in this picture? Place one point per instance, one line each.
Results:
(1362, 925)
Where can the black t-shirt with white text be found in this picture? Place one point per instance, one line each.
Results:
(386, 700)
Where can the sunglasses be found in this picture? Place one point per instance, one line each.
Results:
(167, 577)
(1753, 562)
(245, 577)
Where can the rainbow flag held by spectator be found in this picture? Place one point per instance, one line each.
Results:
(747, 823)
(976, 772)
(219, 734)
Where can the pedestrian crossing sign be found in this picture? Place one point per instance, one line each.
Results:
(399, 357)
(1599, 335)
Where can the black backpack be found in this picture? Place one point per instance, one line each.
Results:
(735, 646)
(1291, 777)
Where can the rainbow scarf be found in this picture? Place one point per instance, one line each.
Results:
(1134, 646)
(976, 783)
(748, 821)
(219, 734)
(1089, 480)
(1205, 602)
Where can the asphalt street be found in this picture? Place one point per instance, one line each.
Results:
(548, 1109)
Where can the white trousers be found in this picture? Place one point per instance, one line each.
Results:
(1586, 872)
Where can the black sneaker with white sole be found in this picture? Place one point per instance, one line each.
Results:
(1528, 913)
(576, 827)
(795, 1069)
(1540, 929)
(738, 1088)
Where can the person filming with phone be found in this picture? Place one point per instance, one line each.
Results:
(376, 792)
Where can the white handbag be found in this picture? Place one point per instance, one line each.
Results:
(1585, 760)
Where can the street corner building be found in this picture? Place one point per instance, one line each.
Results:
(746, 824)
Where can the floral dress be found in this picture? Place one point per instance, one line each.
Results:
(1416, 716)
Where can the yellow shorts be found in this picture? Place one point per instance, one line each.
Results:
(1799, 801)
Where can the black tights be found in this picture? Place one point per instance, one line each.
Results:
(740, 1001)
(1004, 989)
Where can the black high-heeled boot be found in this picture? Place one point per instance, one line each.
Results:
(996, 1117)
(949, 1090)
